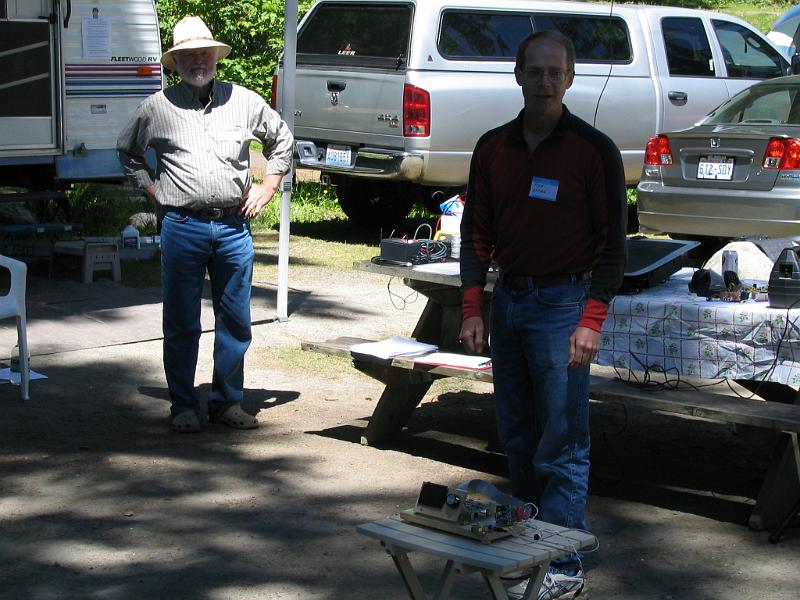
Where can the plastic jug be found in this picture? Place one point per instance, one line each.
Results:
(130, 236)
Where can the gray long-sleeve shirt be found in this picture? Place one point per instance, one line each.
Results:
(203, 152)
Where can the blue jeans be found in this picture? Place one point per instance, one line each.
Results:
(542, 404)
(189, 247)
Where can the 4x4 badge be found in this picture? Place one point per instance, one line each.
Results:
(334, 98)
(715, 142)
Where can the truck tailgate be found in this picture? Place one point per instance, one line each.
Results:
(352, 107)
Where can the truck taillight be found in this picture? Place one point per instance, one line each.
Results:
(416, 112)
(658, 151)
(782, 153)
(273, 96)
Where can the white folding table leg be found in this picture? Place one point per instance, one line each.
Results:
(535, 583)
(495, 585)
(410, 578)
(445, 582)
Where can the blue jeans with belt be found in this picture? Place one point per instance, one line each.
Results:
(190, 246)
(542, 404)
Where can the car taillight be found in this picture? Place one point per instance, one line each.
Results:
(273, 96)
(658, 151)
(782, 153)
(416, 112)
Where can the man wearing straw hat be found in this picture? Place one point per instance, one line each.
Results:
(201, 131)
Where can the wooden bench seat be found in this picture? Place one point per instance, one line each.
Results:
(713, 406)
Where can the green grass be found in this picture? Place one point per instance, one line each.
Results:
(759, 14)
(311, 203)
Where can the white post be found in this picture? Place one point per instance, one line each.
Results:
(287, 104)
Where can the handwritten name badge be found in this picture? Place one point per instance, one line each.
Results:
(544, 189)
(230, 134)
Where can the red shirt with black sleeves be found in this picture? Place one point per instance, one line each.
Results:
(574, 220)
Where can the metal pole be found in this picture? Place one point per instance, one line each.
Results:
(287, 103)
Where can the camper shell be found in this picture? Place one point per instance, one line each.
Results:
(71, 75)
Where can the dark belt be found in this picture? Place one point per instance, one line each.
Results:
(527, 282)
(209, 213)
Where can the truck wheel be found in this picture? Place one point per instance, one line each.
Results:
(433, 197)
(374, 205)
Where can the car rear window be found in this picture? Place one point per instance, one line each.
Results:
(485, 35)
(760, 105)
(356, 34)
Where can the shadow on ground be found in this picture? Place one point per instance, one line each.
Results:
(686, 465)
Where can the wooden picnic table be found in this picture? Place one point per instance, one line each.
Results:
(406, 382)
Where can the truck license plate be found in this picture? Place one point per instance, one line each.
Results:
(715, 167)
(337, 156)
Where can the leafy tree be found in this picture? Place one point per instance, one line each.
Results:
(253, 29)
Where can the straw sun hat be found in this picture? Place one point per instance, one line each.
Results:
(191, 33)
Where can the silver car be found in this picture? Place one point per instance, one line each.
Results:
(734, 174)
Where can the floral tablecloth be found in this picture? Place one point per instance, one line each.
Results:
(665, 328)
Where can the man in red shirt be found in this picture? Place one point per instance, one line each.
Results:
(546, 202)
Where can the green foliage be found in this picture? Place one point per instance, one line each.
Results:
(252, 28)
(105, 209)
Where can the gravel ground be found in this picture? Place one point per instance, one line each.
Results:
(98, 499)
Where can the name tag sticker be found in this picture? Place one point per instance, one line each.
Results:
(231, 134)
(544, 189)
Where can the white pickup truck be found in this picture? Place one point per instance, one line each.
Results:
(392, 95)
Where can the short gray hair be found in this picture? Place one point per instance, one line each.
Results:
(551, 35)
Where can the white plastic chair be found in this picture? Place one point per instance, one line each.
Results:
(13, 305)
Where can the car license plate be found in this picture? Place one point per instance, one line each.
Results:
(337, 156)
(715, 167)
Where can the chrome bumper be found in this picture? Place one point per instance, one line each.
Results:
(375, 163)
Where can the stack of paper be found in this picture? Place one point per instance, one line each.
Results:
(394, 347)
(450, 359)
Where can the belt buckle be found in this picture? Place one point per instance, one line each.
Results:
(212, 213)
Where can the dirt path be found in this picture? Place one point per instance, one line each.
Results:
(99, 500)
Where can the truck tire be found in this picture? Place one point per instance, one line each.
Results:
(374, 204)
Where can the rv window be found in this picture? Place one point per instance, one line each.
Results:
(596, 38)
(482, 35)
(746, 55)
(24, 69)
(3, 10)
(688, 50)
(345, 34)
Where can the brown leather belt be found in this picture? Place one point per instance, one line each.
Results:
(528, 282)
(209, 213)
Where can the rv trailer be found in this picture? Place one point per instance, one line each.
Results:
(72, 72)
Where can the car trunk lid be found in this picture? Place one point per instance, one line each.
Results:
(726, 157)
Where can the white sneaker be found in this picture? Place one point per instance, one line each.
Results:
(555, 585)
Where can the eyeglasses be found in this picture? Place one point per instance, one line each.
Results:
(553, 75)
